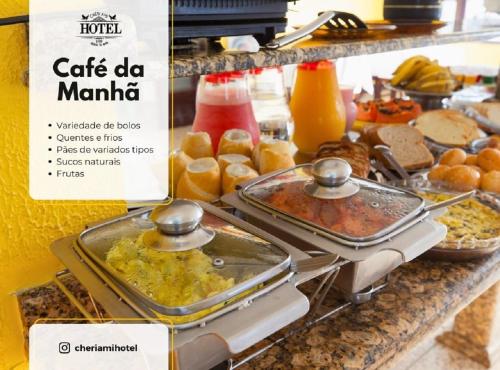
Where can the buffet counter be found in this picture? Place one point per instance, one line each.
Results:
(419, 298)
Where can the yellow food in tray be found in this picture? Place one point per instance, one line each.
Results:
(171, 279)
(470, 223)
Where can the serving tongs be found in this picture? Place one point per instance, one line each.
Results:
(482, 120)
(387, 154)
(332, 19)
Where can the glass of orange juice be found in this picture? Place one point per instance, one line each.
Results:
(317, 106)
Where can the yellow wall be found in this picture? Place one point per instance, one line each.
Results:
(26, 227)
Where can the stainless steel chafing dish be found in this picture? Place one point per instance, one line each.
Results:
(322, 207)
(259, 273)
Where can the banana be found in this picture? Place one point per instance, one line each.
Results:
(441, 86)
(409, 61)
(408, 69)
(435, 76)
(413, 85)
(430, 68)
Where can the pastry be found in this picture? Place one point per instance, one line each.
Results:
(200, 180)
(225, 160)
(489, 159)
(271, 160)
(491, 182)
(453, 157)
(275, 145)
(179, 161)
(447, 127)
(236, 174)
(437, 173)
(357, 154)
(197, 145)
(236, 141)
(494, 142)
(471, 159)
(462, 178)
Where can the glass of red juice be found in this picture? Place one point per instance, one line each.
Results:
(223, 103)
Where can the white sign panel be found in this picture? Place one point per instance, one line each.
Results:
(99, 94)
(99, 347)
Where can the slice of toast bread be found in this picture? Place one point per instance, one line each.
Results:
(407, 145)
(447, 127)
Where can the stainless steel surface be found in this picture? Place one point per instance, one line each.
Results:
(214, 341)
(178, 227)
(334, 20)
(331, 171)
(482, 120)
(367, 294)
(179, 217)
(367, 264)
(451, 201)
(314, 263)
(387, 153)
(397, 227)
(331, 179)
(478, 144)
(302, 32)
(97, 252)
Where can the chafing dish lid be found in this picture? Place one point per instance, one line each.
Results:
(325, 196)
(226, 261)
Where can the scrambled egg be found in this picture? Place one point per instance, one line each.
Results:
(469, 221)
(171, 279)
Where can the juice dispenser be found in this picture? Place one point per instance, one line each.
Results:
(270, 102)
(317, 106)
(223, 103)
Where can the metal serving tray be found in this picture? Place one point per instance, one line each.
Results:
(96, 253)
(399, 226)
(368, 264)
(205, 344)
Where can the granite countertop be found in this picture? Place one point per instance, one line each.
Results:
(209, 61)
(420, 296)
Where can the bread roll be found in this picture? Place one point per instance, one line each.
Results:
(491, 182)
(225, 160)
(178, 161)
(453, 157)
(462, 178)
(494, 142)
(236, 141)
(471, 160)
(278, 146)
(197, 145)
(437, 173)
(271, 160)
(489, 159)
(200, 180)
(236, 174)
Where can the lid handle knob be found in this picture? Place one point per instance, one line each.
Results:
(177, 218)
(331, 172)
